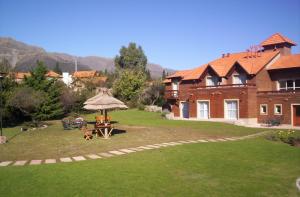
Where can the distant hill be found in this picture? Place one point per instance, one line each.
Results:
(23, 57)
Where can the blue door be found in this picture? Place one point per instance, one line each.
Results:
(185, 109)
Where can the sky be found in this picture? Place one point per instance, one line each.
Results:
(178, 34)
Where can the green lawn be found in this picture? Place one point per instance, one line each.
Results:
(138, 128)
(255, 167)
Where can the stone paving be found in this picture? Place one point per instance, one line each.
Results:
(122, 151)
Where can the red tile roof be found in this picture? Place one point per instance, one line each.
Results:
(52, 74)
(84, 74)
(195, 73)
(21, 75)
(251, 63)
(167, 81)
(286, 61)
(181, 73)
(277, 38)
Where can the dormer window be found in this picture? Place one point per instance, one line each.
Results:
(212, 80)
(291, 84)
(239, 79)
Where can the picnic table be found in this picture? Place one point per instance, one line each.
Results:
(104, 129)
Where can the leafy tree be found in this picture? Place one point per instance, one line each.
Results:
(153, 94)
(5, 66)
(27, 100)
(57, 68)
(8, 85)
(128, 85)
(131, 57)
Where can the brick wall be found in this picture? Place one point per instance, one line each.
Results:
(286, 99)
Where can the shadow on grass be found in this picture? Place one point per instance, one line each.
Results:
(118, 131)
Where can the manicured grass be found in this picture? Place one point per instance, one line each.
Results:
(255, 167)
(143, 118)
(136, 128)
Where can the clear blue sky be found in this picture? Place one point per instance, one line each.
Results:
(176, 34)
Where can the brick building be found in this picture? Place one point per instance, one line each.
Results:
(261, 85)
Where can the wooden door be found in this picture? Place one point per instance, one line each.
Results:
(296, 115)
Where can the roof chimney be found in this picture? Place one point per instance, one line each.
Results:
(223, 55)
(228, 54)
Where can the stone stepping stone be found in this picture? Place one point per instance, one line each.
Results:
(165, 144)
(212, 140)
(169, 144)
(93, 156)
(50, 161)
(5, 163)
(117, 152)
(105, 154)
(136, 149)
(79, 158)
(202, 141)
(66, 159)
(35, 162)
(183, 142)
(127, 151)
(153, 146)
(192, 141)
(145, 147)
(20, 163)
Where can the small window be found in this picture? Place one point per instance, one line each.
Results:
(239, 79)
(211, 81)
(282, 85)
(290, 84)
(278, 109)
(297, 83)
(263, 109)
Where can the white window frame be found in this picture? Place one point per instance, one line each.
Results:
(214, 80)
(175, 82)
(286, 88)
(276, 113)
(198, 115)
(225, 109)
(260, 107)
(238, 76)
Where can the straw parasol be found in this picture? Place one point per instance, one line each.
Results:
(104, 101)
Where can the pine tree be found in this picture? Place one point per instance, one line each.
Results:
(163, 74)
(51, 107)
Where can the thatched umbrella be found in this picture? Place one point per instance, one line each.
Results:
(104, 101)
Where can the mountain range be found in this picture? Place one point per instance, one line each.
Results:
(23, 57)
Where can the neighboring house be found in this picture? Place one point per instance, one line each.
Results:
(19, 76)
(53, 75)
(82, 78)
(67, 78)
(256, 86)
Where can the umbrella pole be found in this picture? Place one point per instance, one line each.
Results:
(105, 115)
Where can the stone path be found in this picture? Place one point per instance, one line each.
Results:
(123, 151)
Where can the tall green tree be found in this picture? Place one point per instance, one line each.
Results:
(129, 85)
(131, 57)
(8, 85)
(51, 107)
(164, 74)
